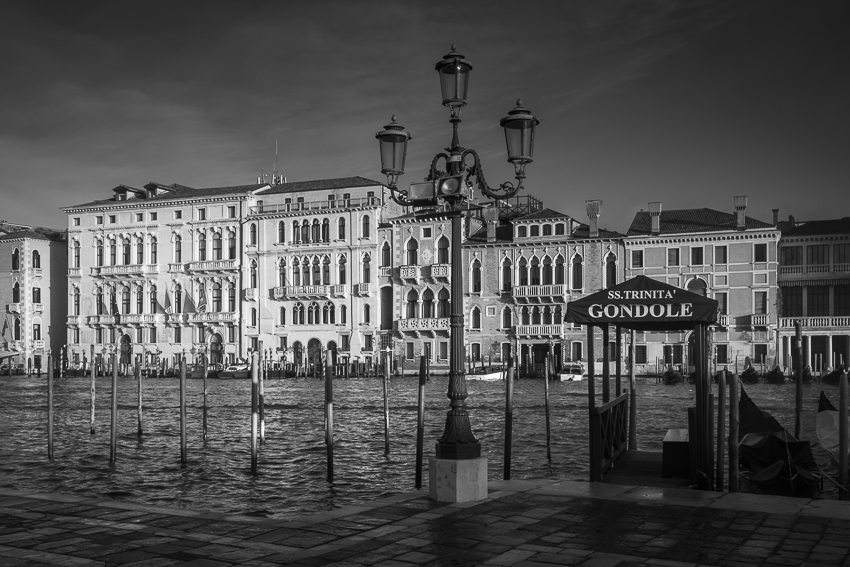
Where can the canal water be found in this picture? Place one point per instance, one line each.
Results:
(292, 476)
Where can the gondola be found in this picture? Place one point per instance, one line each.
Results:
(832, 377)
(671, 377)
(775, 376)
(777, 462)
(827, 427)
(750, 376)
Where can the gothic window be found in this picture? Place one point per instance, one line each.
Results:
(17, 329)
(525, 317)
(305, 271)
(36, 295)
(365, 226)
(305, 231)
(282, 320)
(253, 274)
(328, 314)
(506, 275)
(296, 232)
(535, 315)
(367, 268)
(313, 314)
(547, 315)
(386, 255)
(296, 272)
(326, 271)
(577, 273)
(178, 299)
(443, 250)
(475, 284)
(443, 304)
(342, 263)
(547, 270)
(326, 230)
(535, 271)
(412, 252)
(428, 304)
(317, 273)
(412, 304)
(610, 270)
(125, 251)
(476, 318)
(507, 319)
(36, 259)
(558, 318)
(559, 269)
(367, 314)
(253, 234)
(523, 271)
(202, 247)
(281, 273)
(281, 232)
(316, 233)
(16, 293)
(16, 259)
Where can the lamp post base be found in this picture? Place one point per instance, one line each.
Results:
(457, 480)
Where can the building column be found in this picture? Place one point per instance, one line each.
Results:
(828, 362)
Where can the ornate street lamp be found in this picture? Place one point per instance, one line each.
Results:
(463, 171)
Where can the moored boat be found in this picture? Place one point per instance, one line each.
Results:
(775, 376)
(572, 373)
(486, 374)
(832, 377)
(827, 426)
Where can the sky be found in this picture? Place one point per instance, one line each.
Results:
(687, 103)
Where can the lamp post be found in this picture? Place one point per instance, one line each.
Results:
(452, 189)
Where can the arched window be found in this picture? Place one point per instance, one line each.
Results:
(282, 319)
(341, 229)
(153, 251)
(113, 251)
(231, 245)
(152, 298)
(577, 273)
(178, 249)
(367, 314)
(316, 235)
(697, 286)
(526, 320)
(521, 231)
(523, 271)
(427, 304)
(296, 272)
(365, 226)
(305, 231)
(443, 250)
(125, 251)
(178, 299)
(99, 248)
(36, 259)
(98, 296)
(342, 263)
(559, 229)
(317, 272)
(535, 315)
(281, 273)
(16, 260)
(475, 284)
(559, 270)
(547, 270)
(253, 234)
(140, 300)
(535, 230)
(326, 230)
(506, 275)
(558, 319)
(476, 317)
(231, 298)
(367, 268)
(76, 301)
(412, 252)
(298, 314)
(16, 293)
(507, 318)
(17, 329)
(443, 304)
(412, 304)
(547, 315)
(281, 232)
(386, 255)
(547, 230)
(216, 297)
(343, 315)
(534, 273)
(76, 254)
(253, 274)
(326, 271)
(202, 246)
(36, 295)
(216, 246)
(313, 314)
(305, 271)
(328, 314)
(296, 232)
(140, 251)
(610, 270)
(125, 300)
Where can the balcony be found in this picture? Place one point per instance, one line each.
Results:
(723, 320)
(37, 272)
(74, 272)
(818, 269)
(37, 307)
(814, 322)
(339, 290)
(409, 273)
(425, 327)
(175, 318)
(538, 330)
(440, 272)
(176, 268)
(214, 266)
(15, 307)
(213, 317)
(100, 320)
(251, 294)
(540, 293)
(128, 270)
(301, 291)
(74, 320)
(759, 320)
(138, 318)
(38, 344)
(362, 288)
(790, 269)
(385, 271)
(315, 206)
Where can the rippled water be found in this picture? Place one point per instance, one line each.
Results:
(292, 477)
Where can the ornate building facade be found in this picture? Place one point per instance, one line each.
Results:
(33, 294)
(727, 256)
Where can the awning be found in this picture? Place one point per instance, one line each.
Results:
(644, 304)
(8, 353)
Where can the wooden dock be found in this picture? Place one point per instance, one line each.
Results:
(641, 468)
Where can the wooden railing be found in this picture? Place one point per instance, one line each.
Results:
(608, 435)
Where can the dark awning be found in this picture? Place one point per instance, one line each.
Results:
(644, 304)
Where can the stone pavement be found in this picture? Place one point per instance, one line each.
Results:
(523, 523)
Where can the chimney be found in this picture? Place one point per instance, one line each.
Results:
(775, 217)
(740, 209)
(655, 216)
(593, 211)
(491, 220)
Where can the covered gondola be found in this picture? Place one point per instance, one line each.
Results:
(832, 377)
(775, 376)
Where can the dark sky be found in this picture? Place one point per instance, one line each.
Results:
(688, 103)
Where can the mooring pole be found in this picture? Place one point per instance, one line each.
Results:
(386, 407)
(113, 434)
(93, 372)
(842, 436)
(632, 394)
(721, 429)
(509, 416)
(733, 433)
(206, 370)
(183, 411)
(49, 409)
(261, 397)
(606, 367)
(798, 392)
(420, 422)
(255, 381)
(546, 409)
(618, 364)
(329, 417)
(139, 413)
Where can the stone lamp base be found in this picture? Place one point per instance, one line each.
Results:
(457, 480)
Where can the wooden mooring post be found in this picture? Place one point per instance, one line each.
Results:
(632, 394)
(721, 429)
(842, 436)
(420, 420)
(386, 381)
(798, 382)
(329, 416)
(204, 417)
(261, 397)
(509, 417)
(254, 409)
(183, 411)
(546, 409)
(734, 388)
(49, 409)
(139, 411)
(113, 432)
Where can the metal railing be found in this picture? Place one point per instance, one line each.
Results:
(608, 435)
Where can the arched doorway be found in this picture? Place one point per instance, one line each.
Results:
(216, 349)
(314, 353)
(297, 353)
